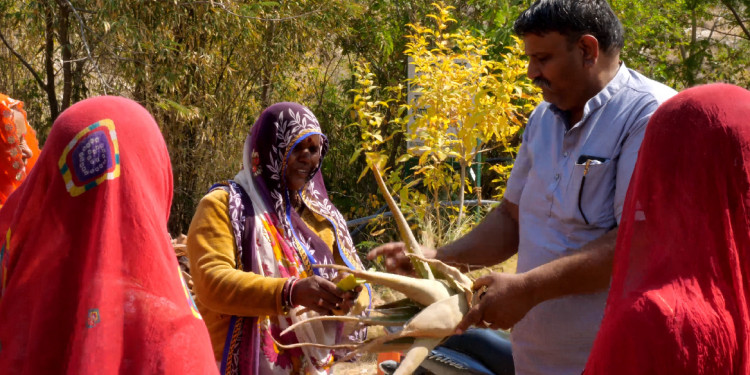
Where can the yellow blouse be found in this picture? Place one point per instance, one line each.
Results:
(221, 290)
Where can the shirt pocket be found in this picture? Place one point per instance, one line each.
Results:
(593, 192)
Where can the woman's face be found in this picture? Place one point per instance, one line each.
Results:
(21, 129)
(302, 161)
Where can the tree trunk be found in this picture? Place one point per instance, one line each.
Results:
(461, 194)
(79, 85)
(397, 143)
(63, 37)
(436, 207)
(267, 69)
(49, 60)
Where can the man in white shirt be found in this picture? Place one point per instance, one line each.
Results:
(565, 194)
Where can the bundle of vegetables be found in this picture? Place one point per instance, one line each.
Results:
(435, 302)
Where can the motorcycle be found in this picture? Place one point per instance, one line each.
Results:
(477, 352)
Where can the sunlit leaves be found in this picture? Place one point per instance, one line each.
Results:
(465, 99)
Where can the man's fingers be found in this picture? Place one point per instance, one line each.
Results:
(391, 264)
(471, 318)
(482, 282)
(388, 248)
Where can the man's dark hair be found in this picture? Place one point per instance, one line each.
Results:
(573, 18)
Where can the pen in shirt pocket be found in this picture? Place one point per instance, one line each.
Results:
(587, 161)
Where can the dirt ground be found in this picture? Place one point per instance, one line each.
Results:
(366, 365)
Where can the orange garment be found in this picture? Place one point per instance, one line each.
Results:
(12, 168)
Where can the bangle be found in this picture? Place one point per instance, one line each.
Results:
(284, 292)
(291, 290)
(285, 295)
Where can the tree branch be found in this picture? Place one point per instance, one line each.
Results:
(326, 79)
(63, 37)
(86, 45)
(49, 63)
(736, 17)
(224, 69)
(730, 35)
(25, 63)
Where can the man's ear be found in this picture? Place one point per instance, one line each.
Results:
(589, 47)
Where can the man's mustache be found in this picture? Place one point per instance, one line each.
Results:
(541, 83)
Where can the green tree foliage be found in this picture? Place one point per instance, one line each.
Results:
(206, 68)
(687, 42)
(464, 101)
(203, 69)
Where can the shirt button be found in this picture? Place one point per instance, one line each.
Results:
(565, 154)
(557, 176)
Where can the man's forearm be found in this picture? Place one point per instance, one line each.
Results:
(494, 240)
(587, 271)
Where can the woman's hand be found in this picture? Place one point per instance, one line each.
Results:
(322, 296)
(350, 300)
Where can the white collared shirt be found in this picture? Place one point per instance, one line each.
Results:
(556, 336)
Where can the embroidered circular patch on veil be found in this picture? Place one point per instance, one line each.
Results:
(91, 157)
(93, 318)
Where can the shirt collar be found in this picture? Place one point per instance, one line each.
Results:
(601, 98)
(619, 80)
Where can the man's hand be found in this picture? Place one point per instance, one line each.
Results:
(506, 300)
(395, 259)
(509, 297)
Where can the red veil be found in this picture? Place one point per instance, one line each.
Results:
(678, 303)
(12, 170)
(90, 283)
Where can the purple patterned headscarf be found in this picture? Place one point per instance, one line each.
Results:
(272, 138)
